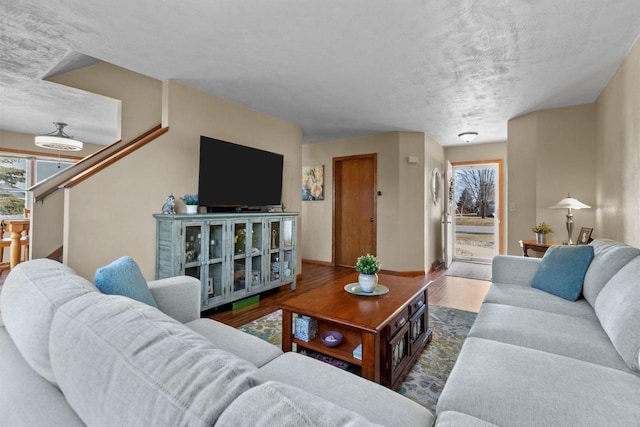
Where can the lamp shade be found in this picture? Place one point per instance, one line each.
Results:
(569, 203)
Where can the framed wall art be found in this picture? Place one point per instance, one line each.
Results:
(313, 183)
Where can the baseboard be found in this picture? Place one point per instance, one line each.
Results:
(415, 273)
(318, 262)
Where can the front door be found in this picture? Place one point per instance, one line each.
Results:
(477, 212)
(354, 210)
(447, 217)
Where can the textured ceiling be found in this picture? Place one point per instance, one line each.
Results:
(337, 68)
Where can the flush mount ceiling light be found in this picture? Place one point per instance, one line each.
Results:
(467, 136)
(58, 140)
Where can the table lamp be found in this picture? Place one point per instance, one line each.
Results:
(569, 203)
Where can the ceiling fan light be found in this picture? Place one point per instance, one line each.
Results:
(58, 140)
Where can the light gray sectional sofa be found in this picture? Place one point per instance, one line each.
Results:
(72, 356)
(535, 359)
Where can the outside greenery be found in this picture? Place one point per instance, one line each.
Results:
(475, 208)
(12, 185)
(17, 174)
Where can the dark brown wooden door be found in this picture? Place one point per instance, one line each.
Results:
(354, 207)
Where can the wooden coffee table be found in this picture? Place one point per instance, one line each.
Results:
(393, 328)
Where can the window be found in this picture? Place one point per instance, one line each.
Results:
(17, 174)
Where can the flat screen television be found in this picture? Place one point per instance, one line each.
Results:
(234, 177)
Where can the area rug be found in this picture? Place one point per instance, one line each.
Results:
(470, 270)
(427, 377)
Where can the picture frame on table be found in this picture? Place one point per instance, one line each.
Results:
(584, 237)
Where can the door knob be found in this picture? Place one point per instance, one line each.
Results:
(372, 219)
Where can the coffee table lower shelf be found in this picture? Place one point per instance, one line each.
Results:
(340, 352)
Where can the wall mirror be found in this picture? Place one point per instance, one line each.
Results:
(436, 179)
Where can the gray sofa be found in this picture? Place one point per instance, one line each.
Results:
(534, 359)
(72, 356)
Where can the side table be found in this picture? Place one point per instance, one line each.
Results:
(535, 246)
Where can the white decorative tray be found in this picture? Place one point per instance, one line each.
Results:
(354, 288)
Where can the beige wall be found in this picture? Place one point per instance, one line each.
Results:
(433, 238)
(110, 215)
(618, 153)
(551, 153)
(140, 96)
(406, 237)
(476, 152)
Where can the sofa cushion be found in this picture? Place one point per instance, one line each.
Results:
(252, 349)
(122, 362)
(562, 270)
(123, 277)
(26, 398)
(528, 297)
(575, 337)
(379, 404)
(276, 404)
(618, 308)
(609, 258)
(509, 385)
(31, 294)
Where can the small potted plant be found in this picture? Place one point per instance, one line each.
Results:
(368, 266)
(541, 231)
(191, 202)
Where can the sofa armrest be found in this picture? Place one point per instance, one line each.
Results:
(177, 297)
(515, 270)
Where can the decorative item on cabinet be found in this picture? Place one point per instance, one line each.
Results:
(191, 203)
(169, 205)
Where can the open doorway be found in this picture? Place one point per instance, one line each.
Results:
(477, 211)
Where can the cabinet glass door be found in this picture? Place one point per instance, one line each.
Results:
(214, 286)
(287, 233)
(192, 250)
(288, 264)
(257, 229)
(274, 250)
(216, 243)
(288, 261)
(240, 254)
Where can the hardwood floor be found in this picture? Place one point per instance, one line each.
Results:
(454, 292)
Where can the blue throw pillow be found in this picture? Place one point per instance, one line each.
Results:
(123, 277)
(562, 270)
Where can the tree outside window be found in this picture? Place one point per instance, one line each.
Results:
(17, 174)
(476, 188)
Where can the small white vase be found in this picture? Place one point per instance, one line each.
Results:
(367, 282)
(541, 238)
(192, 209)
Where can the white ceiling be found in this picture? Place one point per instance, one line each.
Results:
(337, 68)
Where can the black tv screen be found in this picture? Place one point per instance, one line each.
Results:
(235, 176)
